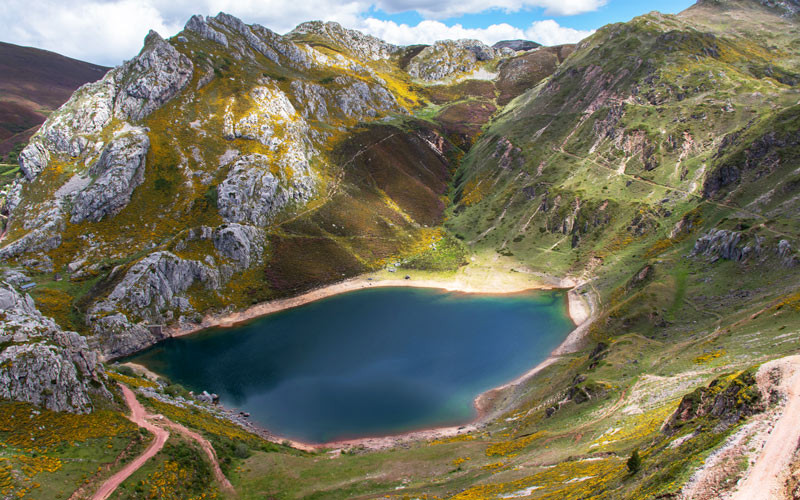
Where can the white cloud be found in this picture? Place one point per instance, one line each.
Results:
(103, 32)
(430, 31)
(546, 32)
(109, 31)
(549, 32)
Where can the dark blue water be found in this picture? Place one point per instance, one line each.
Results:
(370, 362)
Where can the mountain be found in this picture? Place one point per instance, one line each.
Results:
(654, 166)
(268, 155)
(518, 45)
(34, 83)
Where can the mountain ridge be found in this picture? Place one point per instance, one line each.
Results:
(654, 164)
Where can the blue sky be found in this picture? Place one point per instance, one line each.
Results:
(613, 12)
(110, 31)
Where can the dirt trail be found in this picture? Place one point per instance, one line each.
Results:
(139, 417)
(208, 449)
(766, 478)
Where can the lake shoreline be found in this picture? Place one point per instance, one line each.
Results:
(581, 309)
(576, 308)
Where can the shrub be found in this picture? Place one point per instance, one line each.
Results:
(241, 451)
(634, 462)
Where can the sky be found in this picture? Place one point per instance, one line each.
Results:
(108, 32)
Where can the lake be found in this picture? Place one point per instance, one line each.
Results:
(370, 362)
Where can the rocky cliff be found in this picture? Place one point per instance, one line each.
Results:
(42, 364)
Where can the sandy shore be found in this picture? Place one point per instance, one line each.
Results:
(576, 305)
(581, 309)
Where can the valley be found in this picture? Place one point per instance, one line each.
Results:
(649, 173)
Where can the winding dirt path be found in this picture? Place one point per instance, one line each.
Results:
(139, 417)
(208, 449)
(766, 478)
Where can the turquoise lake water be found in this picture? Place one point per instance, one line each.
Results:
(370, 362)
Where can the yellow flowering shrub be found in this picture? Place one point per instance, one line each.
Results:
(454, 439)
(30, 429)
(131, 381)
(505, 448)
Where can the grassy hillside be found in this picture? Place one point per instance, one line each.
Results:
(35, 82)
(655, 165)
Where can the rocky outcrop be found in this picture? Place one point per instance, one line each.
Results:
(199, 25)
(516, 45)
(252, 194)
(117, 173)
(723, 244)
(129, 93)
(350, 99)
(736, 246)
(448, 58)
(364, 47)
(71, 129)
(239, 243)
(151, 79)
(42, 364)
(785, 253)
(258, 185)
(115, 336)
(43, 232)
(155, 285)
(757, 159)
(724, 402)
(239, 39)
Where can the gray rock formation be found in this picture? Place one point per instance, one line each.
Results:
(115, 336)
(516, 45)
(117, 173)
(155, 285)
(237, 26)
(239, 243)
(42, 364)
(788, 257)
(238, 38)
(722, 244)
(365, 47)
(199, 25)
(44, 232)
(129, 92)
(68, 129)
(734, 245)
(150, 79)
(446, 58)
(251, 194)
(349, 99)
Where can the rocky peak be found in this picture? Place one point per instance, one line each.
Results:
(365, 47)
(151, 79)
(241, 40)
(129, 92)
(447, 58)
(198, 24)
(516, 45)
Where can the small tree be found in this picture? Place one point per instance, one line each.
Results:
(634, 462)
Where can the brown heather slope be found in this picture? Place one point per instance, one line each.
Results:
(33, 83)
